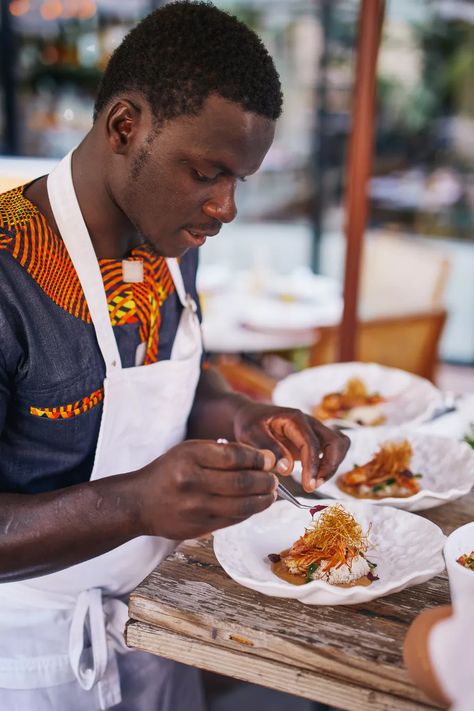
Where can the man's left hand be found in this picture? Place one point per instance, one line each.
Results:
(292, 435)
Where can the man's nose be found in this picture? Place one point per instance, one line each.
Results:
(221, 206)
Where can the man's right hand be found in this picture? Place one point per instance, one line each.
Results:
(196, 487)
(199, 486)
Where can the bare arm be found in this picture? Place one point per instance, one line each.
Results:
(195, 488)
(42, 533)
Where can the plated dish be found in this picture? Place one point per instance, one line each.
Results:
(404, 398)
(409, 470)
(407, 550)
(386, 474)
(353, 404)
(333, 548)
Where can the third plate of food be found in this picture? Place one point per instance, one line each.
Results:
(359, 394)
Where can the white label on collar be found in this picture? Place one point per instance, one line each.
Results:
(132, 270)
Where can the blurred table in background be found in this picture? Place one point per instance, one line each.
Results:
(259, 311)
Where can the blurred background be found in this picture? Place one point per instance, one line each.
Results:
(285, 252)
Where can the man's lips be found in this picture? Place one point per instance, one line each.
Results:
(199, 233)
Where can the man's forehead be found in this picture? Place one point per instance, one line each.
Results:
(222, 130)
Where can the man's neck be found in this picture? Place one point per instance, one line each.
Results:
(111, 234)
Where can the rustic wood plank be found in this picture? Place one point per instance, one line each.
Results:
(274, 674)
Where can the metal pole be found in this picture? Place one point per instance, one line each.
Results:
(7, 71)
(359, 164)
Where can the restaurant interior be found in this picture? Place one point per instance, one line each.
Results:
(353, 244)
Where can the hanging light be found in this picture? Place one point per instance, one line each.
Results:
(51, 9)
(19, 7)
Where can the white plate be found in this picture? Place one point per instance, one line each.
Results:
(407, 549)
(447, 466)
(410, 399)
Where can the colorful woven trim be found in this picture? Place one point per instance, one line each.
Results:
(25, 233)
(66, 411)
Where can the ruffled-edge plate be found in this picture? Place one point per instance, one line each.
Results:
(446, 465)
(410, 399)
(407, 549)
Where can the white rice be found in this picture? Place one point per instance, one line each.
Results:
(343, 574)
(366, 414)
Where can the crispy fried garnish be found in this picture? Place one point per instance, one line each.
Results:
(389, 468)
(337, 404)
(335, 537)
(391, 459)
(355, 390)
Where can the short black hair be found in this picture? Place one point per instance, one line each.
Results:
(185, 51)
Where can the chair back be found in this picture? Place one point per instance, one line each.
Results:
(409, 342)
(401, 275)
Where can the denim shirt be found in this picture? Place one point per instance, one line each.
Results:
(51, 368)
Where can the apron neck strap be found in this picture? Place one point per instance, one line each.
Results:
(177, 277)
(75, 236)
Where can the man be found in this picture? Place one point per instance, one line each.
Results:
(101, 375)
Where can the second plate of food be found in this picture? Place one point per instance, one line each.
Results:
(409, 470)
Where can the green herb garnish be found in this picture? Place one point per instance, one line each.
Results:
(417, 476)
(372, 565)
(310, 571)
(389, 482)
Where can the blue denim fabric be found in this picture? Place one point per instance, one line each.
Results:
(49, 358)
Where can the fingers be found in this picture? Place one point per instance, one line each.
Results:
(244, 482)
(320, 449)
(237, 508)
(334, 445)
(296, 431)
(264, 438)
(233, 455)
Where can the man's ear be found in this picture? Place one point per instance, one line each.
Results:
(122, 122)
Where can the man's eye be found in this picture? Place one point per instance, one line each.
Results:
(201, 177)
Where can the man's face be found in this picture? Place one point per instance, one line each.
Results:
(181, 181)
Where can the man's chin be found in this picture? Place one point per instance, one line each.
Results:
(168, 251)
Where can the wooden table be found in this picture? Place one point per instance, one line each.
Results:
(349, 657)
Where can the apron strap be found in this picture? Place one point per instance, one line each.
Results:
(186, 300)
(89, 603)
(75, 236)
(102, 668)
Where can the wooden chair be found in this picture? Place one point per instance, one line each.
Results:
(409, 342)
(401, 275)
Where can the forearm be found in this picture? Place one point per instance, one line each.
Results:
(214, 408)
(43, 533)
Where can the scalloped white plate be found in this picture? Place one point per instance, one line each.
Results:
(410, 399)
(407, 549)
(446, 464)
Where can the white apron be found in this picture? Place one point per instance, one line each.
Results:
(43, 620)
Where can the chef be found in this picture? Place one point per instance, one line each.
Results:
(109, 415)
